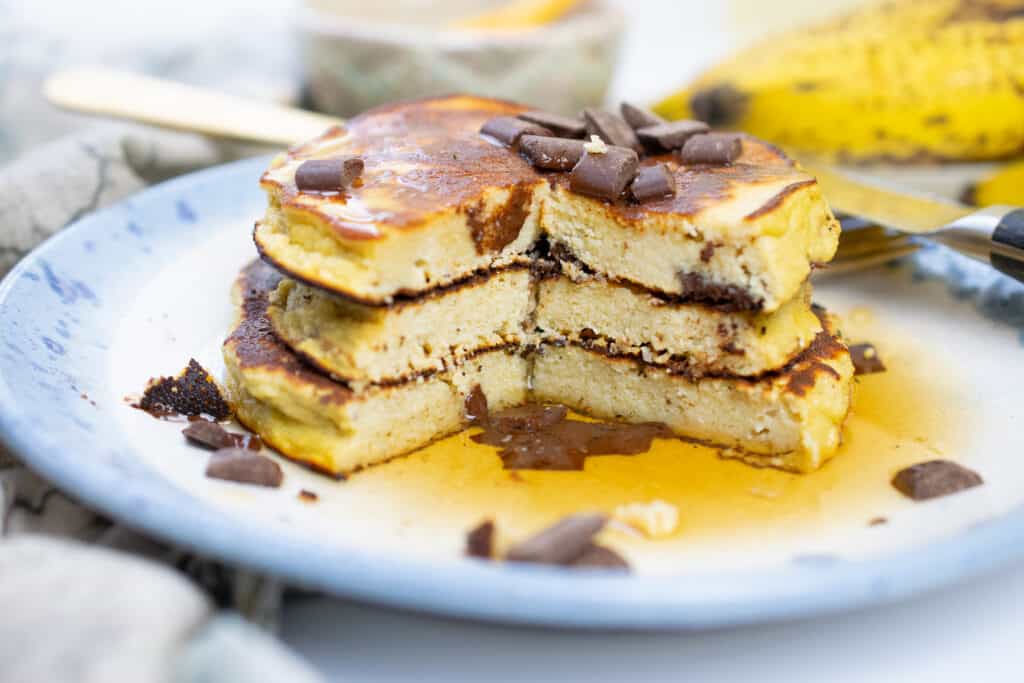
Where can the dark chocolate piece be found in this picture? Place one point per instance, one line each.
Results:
(560, 543)
(328, 175)
(934, 478)
(599, 556)
(653, 182)
(562, 126)
(527, 418)
(192, 392)
(878, 521)
(696, 288)
(711, 148)
(508, 129)
(480, 540)
(865, 359)
(209, 434)
(553, 154)
(605, 176)
(611, 128)
(476, 406)
(638, 117)
(669, 136)
(308, 496)
(243, 466)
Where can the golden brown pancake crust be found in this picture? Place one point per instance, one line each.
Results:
(428, 155)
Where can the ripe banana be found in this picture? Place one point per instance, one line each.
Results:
(1004, 186)
(905, 80)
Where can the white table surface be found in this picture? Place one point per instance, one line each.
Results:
(966, 633)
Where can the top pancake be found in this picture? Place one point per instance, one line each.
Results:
(438, 201)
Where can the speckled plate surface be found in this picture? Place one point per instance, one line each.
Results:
(135, 290)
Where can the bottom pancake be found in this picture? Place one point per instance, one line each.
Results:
(790, 419)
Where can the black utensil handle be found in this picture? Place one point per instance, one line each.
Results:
(1010, 232)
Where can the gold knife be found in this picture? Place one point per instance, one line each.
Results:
(993, 235)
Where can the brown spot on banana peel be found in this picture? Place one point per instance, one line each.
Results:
(719, 105)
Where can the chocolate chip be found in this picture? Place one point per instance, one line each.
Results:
(711, 148)
(604, 175)
(878, 521)
(480, 540)
(553, 154)
(638, 117)
(562, 126)
(707, 251)
(209, 434)
(476, 405)
(243, 466)
(600, 556)
(865, 359)
(560, 543)
(934, 478)
(192, 392)
(611, 128)
(328, 175)
(508, 129)
(653, 182)
(669, 136)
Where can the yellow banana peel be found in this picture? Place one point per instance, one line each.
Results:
(900, 81)
(1004, 186)
(523, 14)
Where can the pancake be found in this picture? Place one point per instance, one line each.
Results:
(314, 420)
(439, 203)
(790, 418)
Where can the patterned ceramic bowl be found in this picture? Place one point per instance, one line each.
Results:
(356, 63)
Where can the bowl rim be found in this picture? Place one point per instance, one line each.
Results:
(600, 18)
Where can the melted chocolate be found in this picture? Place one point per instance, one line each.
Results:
(539, 437)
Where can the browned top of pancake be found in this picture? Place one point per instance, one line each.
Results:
(427, 156)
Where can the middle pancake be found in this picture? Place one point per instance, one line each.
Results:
(363, 345)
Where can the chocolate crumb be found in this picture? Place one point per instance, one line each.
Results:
(934, 478)
(638, 117)
(192, 392)
(328, 175)
(308, 496)
(600, 556)
(480, 540)
(707, 252)
(562, 126)
(865, 359)
(560, 543)
(711, 148)
(245, 467)
(209, 435)
(508, 129)
(878, 521)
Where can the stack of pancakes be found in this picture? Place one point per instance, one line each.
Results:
(453, 263)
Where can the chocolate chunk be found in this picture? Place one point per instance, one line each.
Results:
(508, 129)
(707, 251)
(562, 126)
(328, 175)
(653, 182)
(554, 154)
(476, 406)
(192, 392)
(600, 556)
(611, 128)
(560, 543)
(668, 136)
(606, 175)
(308, 496)
(934, 478)
(527, 418)
(711, 148)
(209, 434)
(865, 359)
(878, 521)
(480, 540)
(243, 466)
(638, 117)
(696, 288)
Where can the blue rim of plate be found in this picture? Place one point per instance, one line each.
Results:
(115, 482)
